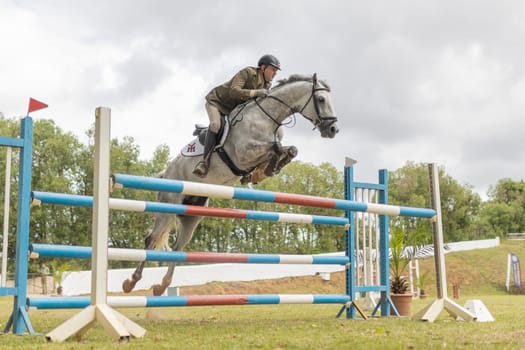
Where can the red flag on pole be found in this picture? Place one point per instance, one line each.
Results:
(35, 105)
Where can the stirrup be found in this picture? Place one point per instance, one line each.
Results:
(201, 169)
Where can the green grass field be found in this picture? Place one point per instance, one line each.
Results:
(481, 274)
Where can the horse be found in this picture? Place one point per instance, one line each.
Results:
(251, 151)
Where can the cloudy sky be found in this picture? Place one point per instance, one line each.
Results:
(425, 81)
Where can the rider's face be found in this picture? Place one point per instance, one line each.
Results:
(269, 72)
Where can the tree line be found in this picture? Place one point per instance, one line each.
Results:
(63, 164)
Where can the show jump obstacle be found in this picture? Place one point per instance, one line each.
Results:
(359, 258)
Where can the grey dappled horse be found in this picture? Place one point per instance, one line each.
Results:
(254, 148)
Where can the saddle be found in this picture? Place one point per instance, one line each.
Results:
(201, 130)
(195, 148)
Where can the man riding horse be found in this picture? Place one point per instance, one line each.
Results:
(253, 142)
(248, 83)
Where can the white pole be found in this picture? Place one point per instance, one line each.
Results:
(376, 233)
(365, 241)
(418, 288)
(437, 228)
(509, 264)
(116, 324)
(7, 195)
(432, 311)
(99, 261)
(359, 257)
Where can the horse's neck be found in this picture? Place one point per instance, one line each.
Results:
(286, 100)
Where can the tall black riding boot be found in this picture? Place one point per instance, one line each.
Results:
(202, 167)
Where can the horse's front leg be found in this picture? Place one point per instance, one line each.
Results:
(290, 152)
(272, 167)
(280, 160)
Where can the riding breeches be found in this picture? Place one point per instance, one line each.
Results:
(215, 117)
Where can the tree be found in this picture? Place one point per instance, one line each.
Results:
(64, 165)
(271, 237)
(409, 186)
(61, 163)
(504, 212)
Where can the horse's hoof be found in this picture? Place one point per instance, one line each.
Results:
(158, 290)
(128, 285)
(292, 151)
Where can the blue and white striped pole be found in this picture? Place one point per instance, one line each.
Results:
(124, 254)
(188, 300)
(227, 192)
(182, 209)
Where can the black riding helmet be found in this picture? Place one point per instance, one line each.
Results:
(270, 60)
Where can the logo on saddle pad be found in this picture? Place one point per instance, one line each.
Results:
(193, 149)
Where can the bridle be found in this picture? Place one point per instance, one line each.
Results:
(326, 121)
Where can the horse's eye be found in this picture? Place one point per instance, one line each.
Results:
(320, 99)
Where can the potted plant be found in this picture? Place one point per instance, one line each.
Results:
(399, 260)
(58, 276)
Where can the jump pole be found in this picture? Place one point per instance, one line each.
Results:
(126, 254)
(184, 209)
(116, 324)
(432, 311)
(190, 300)
(228, 192)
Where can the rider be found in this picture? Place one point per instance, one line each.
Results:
(249, 82)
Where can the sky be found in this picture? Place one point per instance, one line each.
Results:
(422, 81)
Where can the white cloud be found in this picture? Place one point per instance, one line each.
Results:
(418, 81)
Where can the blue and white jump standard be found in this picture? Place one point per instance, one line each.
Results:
(19, 319)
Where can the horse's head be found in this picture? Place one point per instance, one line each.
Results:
(319, 110)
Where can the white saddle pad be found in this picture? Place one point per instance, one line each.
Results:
(193, 149)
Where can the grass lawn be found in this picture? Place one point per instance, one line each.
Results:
(288, 327)
(481, 274)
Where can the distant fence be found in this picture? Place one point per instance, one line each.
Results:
(516, 235)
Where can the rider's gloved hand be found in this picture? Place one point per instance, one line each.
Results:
(260, 93)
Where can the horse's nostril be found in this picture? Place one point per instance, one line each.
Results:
(334, 130)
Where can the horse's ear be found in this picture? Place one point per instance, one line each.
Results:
(314, 79)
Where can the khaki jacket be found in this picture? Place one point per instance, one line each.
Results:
(236, 91)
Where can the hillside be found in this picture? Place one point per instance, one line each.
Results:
(481, 271)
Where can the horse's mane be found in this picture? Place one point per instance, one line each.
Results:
(299, 77)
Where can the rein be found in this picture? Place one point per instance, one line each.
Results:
(320, 119)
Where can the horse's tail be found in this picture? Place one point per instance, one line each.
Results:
(160, 174)
(163, 242)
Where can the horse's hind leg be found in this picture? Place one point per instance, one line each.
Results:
(155, 240)
(185, 227)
